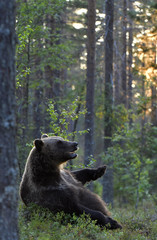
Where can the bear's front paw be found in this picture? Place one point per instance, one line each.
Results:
(99, 172)
(113, 224)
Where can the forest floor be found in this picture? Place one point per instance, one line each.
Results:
(38, 224)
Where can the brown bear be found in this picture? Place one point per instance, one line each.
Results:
(47, 184)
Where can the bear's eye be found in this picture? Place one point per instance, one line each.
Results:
(59, 143)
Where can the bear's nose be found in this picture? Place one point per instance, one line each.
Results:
(76, 144)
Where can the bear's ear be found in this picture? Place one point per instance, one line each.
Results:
(44, 136)
(38, 144)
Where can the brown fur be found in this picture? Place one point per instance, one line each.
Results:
(45, 183)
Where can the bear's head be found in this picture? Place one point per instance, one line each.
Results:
(56, 149)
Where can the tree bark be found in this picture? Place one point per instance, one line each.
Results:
(154, 105)
(123, 67)
(117, 56)
(52, 76)
(108, 177)
(8, 160)
(90, 83)
(130, 58)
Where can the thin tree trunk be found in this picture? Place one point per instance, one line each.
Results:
(52, 76)
(37, 112)
(142, 147)
(130, 58)
(123, 67)
(154, 105)
(108, 177)
(117, 59)
(38, 96)
(24, 114)
(8, 161)
(89, 117)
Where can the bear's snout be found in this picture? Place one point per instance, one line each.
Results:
(75, 145)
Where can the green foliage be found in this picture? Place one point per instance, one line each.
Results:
(98, 188)
(120, 117)
(38, 43)
(49, 43)
(64, 118)
(131, 157)
(38, 223)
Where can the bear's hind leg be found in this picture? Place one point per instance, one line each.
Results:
(102, 220)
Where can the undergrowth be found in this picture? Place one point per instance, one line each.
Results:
(38, 224)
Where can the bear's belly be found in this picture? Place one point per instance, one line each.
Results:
(92, 201)
(84, 196)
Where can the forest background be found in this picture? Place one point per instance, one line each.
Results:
(85, 70)
(89, 73)
(62, 87)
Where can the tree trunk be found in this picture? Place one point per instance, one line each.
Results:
(23, 115)
(154, 105)
(108, 177)
(130, 58)
(8, 161)
(117, 56)
(38, 96)
(89, 117)
(37, 112)
(52, 76)
(123, 67)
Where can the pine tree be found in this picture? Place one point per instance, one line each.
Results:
(8, 161)
(108, 177)
(90, 82)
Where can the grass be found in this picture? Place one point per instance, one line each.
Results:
(38, 224)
